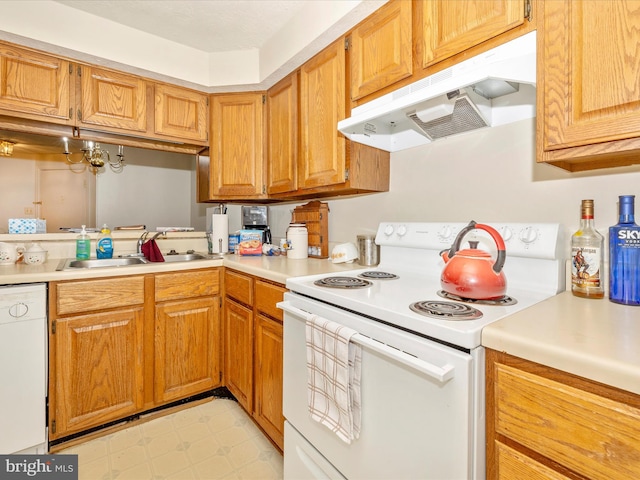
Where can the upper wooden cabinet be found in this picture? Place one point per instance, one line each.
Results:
(34, 85)
(112, 99)
(588, 91)
(380, 49)
(282, 135)
(237, 167)
(322, 105)
(181, 113)
(451, 27)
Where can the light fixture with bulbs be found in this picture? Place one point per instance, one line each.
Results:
(95, 156)
(6, 148)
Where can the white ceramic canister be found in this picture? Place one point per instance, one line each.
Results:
(298, 240)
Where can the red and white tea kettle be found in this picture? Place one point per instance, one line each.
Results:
(472, 273)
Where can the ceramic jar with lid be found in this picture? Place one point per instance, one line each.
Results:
(298, 240)
(35, 255)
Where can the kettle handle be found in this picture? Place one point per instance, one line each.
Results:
(502, 251)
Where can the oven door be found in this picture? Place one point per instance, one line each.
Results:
(417, 404)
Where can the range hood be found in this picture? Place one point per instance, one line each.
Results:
(493, 88)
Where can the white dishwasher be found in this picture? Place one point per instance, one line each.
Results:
(23, 369)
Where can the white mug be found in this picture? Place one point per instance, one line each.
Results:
(9, 253)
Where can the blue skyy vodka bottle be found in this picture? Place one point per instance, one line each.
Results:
(624, 255)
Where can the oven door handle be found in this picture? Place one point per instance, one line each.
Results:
(442, 374)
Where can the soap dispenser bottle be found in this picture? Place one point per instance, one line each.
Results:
(104, 247)
(83, 244)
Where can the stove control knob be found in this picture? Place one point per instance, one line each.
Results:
(402, 230)
(506, 233)
(528, 235)
(445, 233)
(388, 230)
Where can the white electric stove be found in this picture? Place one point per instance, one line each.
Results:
(423, 363)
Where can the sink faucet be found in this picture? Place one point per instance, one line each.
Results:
(143, 238)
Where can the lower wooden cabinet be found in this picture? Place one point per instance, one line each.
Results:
(123, 345)
(253, 349)
(546, 424)
(187, 348)
(98, 369)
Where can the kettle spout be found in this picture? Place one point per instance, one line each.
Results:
(445, 255)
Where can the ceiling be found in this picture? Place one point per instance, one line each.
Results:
(210, 26)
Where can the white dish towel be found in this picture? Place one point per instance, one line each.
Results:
(334, 370)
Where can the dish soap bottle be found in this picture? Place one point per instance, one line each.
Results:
(624, 254)
(586, 257)
(104, 247)
(83, 244)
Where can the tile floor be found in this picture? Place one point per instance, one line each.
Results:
(213, 440)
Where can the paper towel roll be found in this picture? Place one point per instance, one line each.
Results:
(219, 233)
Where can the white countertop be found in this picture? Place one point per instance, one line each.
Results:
(594, 339)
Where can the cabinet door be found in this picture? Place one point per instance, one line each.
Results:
(589, 73)
(282, 137)
(450, 27)
(99, 370)
(238, 365)
(236, 147)
(322, 105)
(187, 348)
(181, 113)
(268, 378)
(34, 84)
(113, 99)
(381, 52)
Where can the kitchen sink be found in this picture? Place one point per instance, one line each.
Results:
(186, 257)
(72, 263)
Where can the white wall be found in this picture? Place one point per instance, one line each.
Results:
(489, 175)
(17, 189)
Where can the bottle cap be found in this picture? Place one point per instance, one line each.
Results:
(626, 205)
(587, 208)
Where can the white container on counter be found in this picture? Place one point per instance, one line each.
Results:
(298, 240)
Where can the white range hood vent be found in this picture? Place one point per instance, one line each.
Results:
(493, 88)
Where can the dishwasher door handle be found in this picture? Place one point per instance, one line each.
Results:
(442, 374)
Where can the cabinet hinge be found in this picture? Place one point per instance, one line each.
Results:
(528, 10)
(70, 113)
(70, 69)
(264, 99)
(346, 43)
(79, 115)
(53, 426)
(79, 71)
(346, 174)
(264, 189)
(220, 377)
(53, 327)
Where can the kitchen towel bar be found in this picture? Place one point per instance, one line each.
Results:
(442, 374)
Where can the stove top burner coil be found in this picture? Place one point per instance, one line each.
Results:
(342, 282)
(446, 310)
(503, 301)
(377, 275)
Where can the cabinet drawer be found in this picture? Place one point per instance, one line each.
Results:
(180, 285)
(238, 286)
(514, 464)
(91, 295)
(267, 295)
(592, 435)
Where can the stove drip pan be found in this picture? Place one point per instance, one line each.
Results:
(342, 282)
(376, 275)
(503, 301)
(446, 310)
